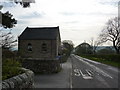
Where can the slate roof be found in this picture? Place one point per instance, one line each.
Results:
(40, 33)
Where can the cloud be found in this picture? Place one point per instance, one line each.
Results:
(7, 4)
(87, 13)
(109, 2)
(79, 20)
(68, 13)
(31, 15)
(71, 22)
(21, 21)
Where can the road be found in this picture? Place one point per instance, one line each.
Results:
(79, 72)
(56, 80)
(90, 74)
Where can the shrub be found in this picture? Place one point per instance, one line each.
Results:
(6, 53)
(10, 68)
(64, 58)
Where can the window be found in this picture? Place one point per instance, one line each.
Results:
(29, 47)
(44, 47)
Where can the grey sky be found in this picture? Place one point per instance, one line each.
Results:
(78, 20)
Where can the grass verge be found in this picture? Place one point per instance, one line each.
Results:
(112, 60)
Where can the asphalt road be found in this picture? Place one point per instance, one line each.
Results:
(79, 72)
(56, 80)
(90, 74)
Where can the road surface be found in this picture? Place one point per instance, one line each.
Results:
(79, 72)
(90, 74)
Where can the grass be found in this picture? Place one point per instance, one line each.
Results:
(112, 60)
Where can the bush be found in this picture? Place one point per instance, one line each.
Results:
(6, 53)
(10, 68)
(64, 58)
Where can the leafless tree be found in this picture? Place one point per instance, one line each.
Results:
(95, 44)
(111, 32)
(7, 40)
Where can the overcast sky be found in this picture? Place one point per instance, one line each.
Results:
(79, 20)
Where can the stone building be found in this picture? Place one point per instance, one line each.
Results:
(40, 47)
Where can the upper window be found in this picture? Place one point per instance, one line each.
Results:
(29, 47)
(44, 47)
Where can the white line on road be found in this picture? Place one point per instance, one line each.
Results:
(88, 71)
(85, 76)
(77, 73)
(94, 67)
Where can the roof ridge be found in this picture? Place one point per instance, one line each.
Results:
(42, 27)
(40, 33)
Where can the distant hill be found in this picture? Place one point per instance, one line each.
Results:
(14, 49)
(103, 47)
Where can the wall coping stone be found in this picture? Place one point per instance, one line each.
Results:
(24, 80)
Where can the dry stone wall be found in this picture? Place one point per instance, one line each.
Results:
(25, 80)
(42, 66)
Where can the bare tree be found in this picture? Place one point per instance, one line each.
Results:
(95, 44)
(7, 40)
(111, 32)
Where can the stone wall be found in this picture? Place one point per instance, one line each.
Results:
(25, 80)
(42, 66)
(37, 49)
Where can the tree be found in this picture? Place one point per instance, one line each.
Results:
(83, 48)
(7, 20)
(7, 41)
(95, 44)
(111, 32)
(68, 46)
(24, 3)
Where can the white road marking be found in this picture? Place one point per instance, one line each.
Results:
(94, 67)
(77, 73)
(88, 75)
(92, 61)
(85, 76)
(89, 72)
